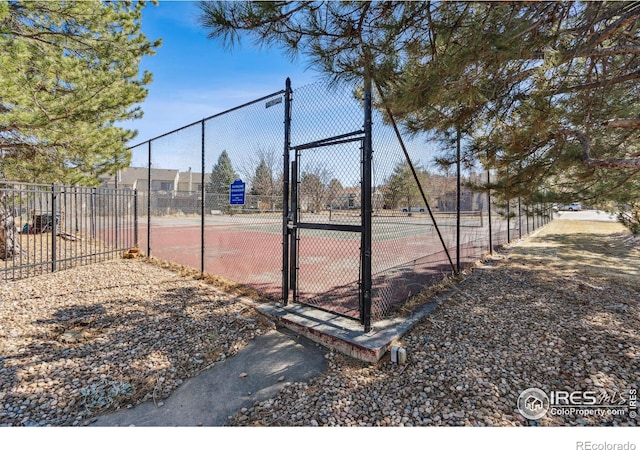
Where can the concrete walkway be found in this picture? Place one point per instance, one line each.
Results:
(255, 373)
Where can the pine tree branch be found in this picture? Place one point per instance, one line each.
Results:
(622, 123)
(598, 84)
(628, 18)
(586, 52)
(610, 163)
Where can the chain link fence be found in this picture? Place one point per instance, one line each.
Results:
(270, 194)
(184, 181)
(284, 194)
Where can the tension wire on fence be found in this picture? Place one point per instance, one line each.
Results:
(415, 175)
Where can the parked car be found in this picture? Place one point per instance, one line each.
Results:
(575, 206)
(414, 209)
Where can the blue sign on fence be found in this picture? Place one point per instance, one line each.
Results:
(236, 193)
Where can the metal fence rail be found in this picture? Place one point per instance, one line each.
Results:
(57, 227)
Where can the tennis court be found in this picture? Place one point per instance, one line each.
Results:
(407, 255)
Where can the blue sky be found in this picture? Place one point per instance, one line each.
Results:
(195, 77)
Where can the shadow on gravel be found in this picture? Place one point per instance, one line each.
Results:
(91, 359)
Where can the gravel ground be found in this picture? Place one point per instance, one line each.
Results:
(97, 338)
(559, 312)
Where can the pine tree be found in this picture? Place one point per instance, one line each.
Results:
(545, 93)
(263, 185)
(222, 175)
(401, 190)
(69, 73)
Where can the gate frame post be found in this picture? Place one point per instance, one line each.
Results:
(285, 193)
(366, 209)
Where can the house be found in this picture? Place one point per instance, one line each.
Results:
(190, 182)
(349, 198)
(165, 180)
(469, 201)
(172, 191)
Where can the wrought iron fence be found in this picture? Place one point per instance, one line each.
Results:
(55, 227)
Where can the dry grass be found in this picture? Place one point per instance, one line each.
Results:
(601, 249)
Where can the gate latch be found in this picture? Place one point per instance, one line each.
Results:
(290, 224)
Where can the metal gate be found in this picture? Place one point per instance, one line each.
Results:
(327, 252)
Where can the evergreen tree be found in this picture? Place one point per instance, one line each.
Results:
(545, 93)
(222, 175)
(69, 72)
(401, 190)
(262, 183)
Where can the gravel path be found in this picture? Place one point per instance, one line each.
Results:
(561, 311)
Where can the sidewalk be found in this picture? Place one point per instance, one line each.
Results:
(256, 373)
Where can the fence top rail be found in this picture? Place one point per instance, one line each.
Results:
(230, 110)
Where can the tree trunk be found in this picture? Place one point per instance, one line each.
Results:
(9, 243)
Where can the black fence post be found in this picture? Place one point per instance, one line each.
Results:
(54, 230)
(508, 221)
(75, 209)
(458, 194)
(367, 156)
(519, 219)
(135, 218)
(202, 194)
(149, 202)
(285, 192)
(93, 213)
(116, 214)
